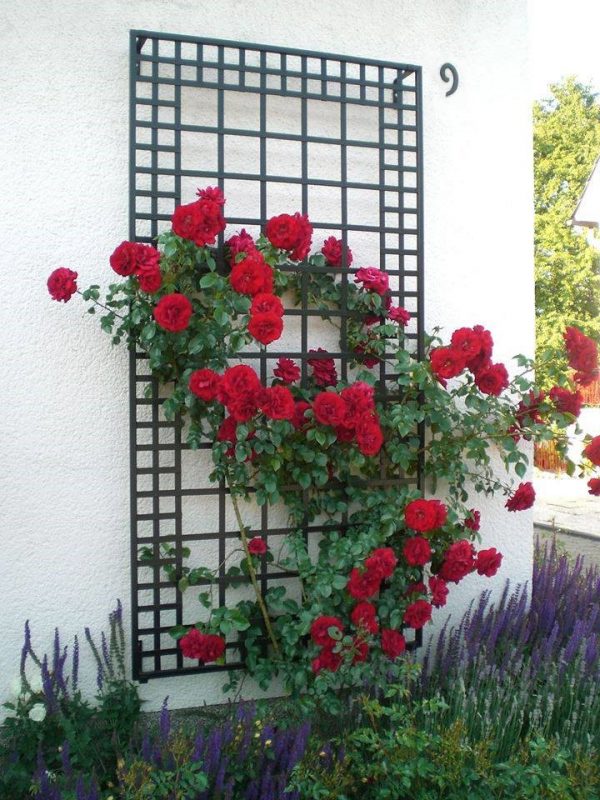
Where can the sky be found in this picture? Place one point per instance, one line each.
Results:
(564, 40)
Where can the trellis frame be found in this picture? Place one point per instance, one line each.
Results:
(165, 60)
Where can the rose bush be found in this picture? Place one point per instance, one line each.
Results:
(344, 451)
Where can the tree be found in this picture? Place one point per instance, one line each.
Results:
(566, 146)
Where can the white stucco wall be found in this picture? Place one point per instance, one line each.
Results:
(64, 548)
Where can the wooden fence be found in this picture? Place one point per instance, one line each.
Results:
(545, 457)
(591, 394)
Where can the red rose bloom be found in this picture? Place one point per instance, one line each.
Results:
(200, 222)
(123, 259)
(184, 221)
(366, 356)
(359, 399)
(523, 498)
(240, 378)
(324, 371)
(252, 275)
(418, 587)
(237, 380)
(287, 370)
(393, 643)
(592, 451)
(257, 546)
(264, 303)
(173, 312)
(459, 561)
(586, 378)
(227, 430)
(243, 406)
(594, 486)
(582, 354)
(207, 222)
(439, 591)
(328, 660)
(492, 379)
(329, 408)
(486, 345)
(441, 512)
(362, 585)
(364, 615)
(204, 383)
(204, 647)
(369, 436)
(62, 284)
(290, 233)
(283, 231)
(304, 240)
(372, 280)
(241, 242)
(319, 630)
(446, 362)
(300, 409)
(488, 562)
(333, 250)
(418, 614)
(473, 522)
(371, 320)
(425, 515)
(265, 328)
(150, 281)
(417, 551)
(382, 562)
(467, 341)
(212, 193)
(566, 402)
(360, 650)
(344, 434)
(147, 258)
(399, 315)
(277, 403)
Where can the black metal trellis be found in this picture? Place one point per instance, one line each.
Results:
(166, 72)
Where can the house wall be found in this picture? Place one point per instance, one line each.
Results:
(64, 153)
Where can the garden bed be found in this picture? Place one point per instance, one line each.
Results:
(507, 705)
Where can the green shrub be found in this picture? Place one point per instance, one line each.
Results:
(393, 757)
(51, 729)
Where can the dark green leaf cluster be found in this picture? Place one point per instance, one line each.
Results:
(342, 503)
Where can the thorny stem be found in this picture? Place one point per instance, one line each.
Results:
(101, 305)
(238, 695)
(251, 570)
(131, 338)
(477, 476)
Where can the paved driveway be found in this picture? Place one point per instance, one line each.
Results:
(564, 504)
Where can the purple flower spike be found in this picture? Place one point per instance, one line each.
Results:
(164, 724)
(75, 667)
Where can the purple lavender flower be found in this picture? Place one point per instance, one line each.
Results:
(106, 654)
(65, 757)
(146, 748)
(199, 743)
(48, 687)
(81, 793)
(25, 650)
(164, 724)
(47, 790)
(75, 667)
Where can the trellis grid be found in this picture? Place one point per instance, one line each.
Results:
(311, 118)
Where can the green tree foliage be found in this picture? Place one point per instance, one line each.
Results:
(566, 146)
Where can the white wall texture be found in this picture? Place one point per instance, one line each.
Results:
(64, 152)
